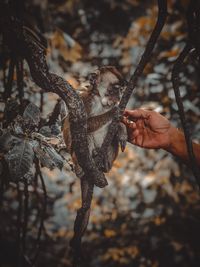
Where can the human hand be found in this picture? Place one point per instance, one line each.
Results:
(147, 129)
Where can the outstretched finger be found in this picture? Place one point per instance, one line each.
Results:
(136, 113)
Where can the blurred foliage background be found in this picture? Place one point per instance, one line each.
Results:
(149, 214)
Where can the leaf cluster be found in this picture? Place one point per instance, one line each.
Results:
(24, 141)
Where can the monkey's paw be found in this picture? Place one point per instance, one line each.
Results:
(101, 160)
(122, 143)
(99, 179)
(79, 171)
(122, 136)
(98, 158)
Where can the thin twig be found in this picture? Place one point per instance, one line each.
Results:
(193, 20)
(43, 213)
(1, 190)
(8, 87)
(4, 62)
(41, 101)
(25, 221)
(175, 80)
(20, 84)
(19, 217)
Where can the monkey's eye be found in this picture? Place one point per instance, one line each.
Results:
(115, 88)
(92, 77)
(113, 91)
(124, 83)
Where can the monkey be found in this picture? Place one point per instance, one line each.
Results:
(100, 98)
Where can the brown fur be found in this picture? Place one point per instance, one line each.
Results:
(113, 70)
(95, 123)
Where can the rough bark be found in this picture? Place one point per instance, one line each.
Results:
(20, 40)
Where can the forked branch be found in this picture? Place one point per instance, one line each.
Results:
(20, 39)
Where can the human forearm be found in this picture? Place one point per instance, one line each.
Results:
(178, 147)
(149, 129)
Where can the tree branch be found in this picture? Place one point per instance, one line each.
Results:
(162, 14)
(19, 39)
(175, 80)
(193, 20)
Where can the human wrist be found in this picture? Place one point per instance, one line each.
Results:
(176, 139)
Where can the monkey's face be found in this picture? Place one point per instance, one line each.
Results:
(108, 86)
